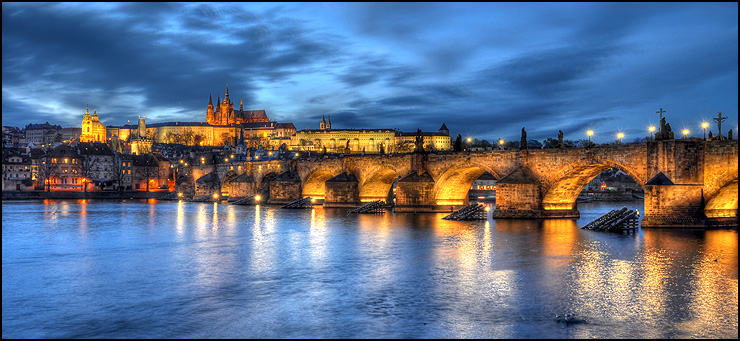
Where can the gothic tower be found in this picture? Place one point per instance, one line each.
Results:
(210, 114)
(322, 125)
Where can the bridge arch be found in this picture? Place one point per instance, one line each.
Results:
(452, 186)
(225, 184)
(561, 192)
(263, 186)
(377, 183)
(314, 184)
(723, 202)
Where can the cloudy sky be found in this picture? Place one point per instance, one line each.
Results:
(484, 69)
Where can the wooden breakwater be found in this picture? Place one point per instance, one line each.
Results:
(622, 219)
(371, 207)
(300, 203)
(470, 212)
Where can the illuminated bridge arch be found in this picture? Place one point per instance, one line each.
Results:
(225, 185)
(562, 191)
(453, 185)
(314, 184)
(377, 183)
(723, 203)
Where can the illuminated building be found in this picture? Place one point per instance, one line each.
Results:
(370, 141)
(92, 129)
(224, 114)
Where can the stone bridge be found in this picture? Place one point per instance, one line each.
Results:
(686, 182)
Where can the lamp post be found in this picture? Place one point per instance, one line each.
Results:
(501, 143)
(685, 132)
(652, 129)
(705, 125)
(620, 136)
(589, 133)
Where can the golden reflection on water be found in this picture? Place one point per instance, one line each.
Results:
(715, 278)
(83, 217)
(215, 216)
(180, 217)
(318, 238)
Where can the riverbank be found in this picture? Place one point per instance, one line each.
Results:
(17, 195)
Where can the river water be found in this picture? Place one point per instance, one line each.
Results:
(150, 269)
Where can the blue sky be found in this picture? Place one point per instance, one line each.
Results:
(484, 69)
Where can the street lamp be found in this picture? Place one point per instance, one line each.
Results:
(589, 133)
(652, 129)
(685, 132)
(705, 125)
(501, 143)
(620, 136)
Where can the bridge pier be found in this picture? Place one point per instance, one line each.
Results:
(415, 193)
(285, 188)
(342, 191)
(518, 196)
(669, 205)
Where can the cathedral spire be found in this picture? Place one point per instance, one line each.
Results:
(87, 112)
(210, 100)
(226, 98)
(241, 103)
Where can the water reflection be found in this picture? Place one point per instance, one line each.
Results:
(262, 272)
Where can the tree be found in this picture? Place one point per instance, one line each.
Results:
(457, 146)
(47, 171)
(147, 166)
(405, 147)
(533, 144)
(551, 143)
(86, 165)
(226, 139)
(117, 169)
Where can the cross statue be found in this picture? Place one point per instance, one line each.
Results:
(719, 119)
(661, 111)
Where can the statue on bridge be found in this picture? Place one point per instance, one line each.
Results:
(560, 138)
(419, 142)
(719, 119)
(665, 132)
(523, 141)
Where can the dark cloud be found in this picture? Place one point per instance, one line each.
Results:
(485, 69)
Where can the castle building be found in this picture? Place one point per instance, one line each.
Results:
(142, 144)
(224, 114)
(92, 129)
(369, 141)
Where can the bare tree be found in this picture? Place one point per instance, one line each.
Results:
(86, 167)
(117, 169)
(47, 171)
(146, 168)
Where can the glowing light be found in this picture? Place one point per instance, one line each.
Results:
(590, 132)
(179, 194)
(685, 132)
(501, 142)
(704, 125)
(652, 129)
(215, 196)
(257, 198)
(469, 139)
